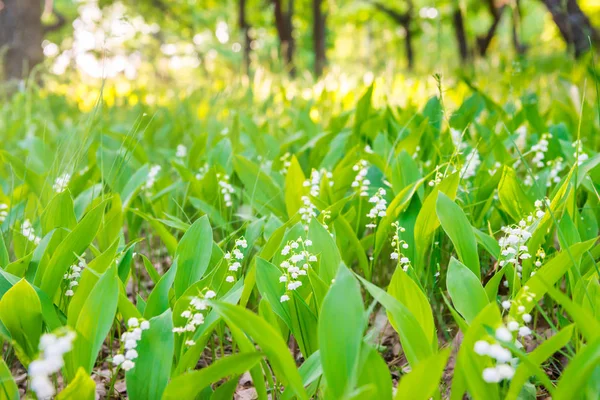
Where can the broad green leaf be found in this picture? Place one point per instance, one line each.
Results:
(158, 301)
(193, 255)
(49, 276)
(407, 292)
(412, 338)
(459, 230)
(466, 291)
(93, 324)
(325, 248)
(294, 187)
(149, 378)
(341, 326)
(82, 387)
(8, 388)
(269, 341)
(423, 380)
(21, 314)
(512, 196)
(189, 385)
(59, 213)
(578, 372)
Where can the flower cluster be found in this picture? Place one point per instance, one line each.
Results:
(579, 154)
(296, 265)
(193, 315)
(456, 136)
(539, 260)
(314, 182)
(556, 167)
(540, 149)
(235, 257)
(29, 233)
(507, 304)
(513, 244)
(472, 162)
(181, 151)
(202, 171)
(503, 370)
(285, 161)
(497, 165)
(52, 349)
(154, 170)
(61, 183)
(399, 245)
(308, 211)
(72, 277)
(129, 341)
(379, 207)
(3, 212)
(437, 179)
(361, 183)
(226, 189)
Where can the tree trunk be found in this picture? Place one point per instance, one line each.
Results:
(283, 23)
(408, 47)
(483, 42)
(404, 20)
(21, 35)
(319, 19)
(573, 24)
(519, 47)
(461, 36)
(245, 29)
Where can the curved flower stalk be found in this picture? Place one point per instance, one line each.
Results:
(234, 258)
(193, 316)
(399, 245)
(53, 347)
(308, 211)
(127, 354)
(296, 265)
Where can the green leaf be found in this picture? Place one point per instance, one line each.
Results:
(294, 187)
(466, 291)
(49, 276)
(423, 380)
(341, 326)
(8, 388)
(578, 373)
(457, 227)
(407, 292)
(158, 301)
(82, 387)
(269, 341)
(59, 213)
(375, 373)
(189, 385)
(412, 338)
(21, 314)
(325, 248)
(512, 196)
(94, 323)
(541, 353)
(193, 255)
(149, 378)
(550, 273)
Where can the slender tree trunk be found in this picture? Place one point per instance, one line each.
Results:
(283, 23)
(483, 42)
(573, 24)
(461, 35)
(319, 26)
(245, 29)
(408, 47)
(21, 35)
(519, 47)
(405, 21)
